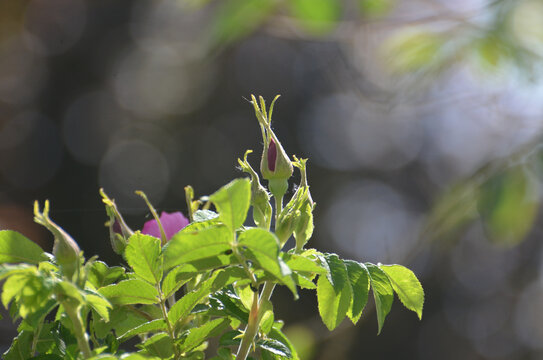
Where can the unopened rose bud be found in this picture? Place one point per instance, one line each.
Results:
(304, 227)
(296, 218)
(119, 232)
(260, 199)
(275, 165)
(65, 250)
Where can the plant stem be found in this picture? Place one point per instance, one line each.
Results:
(251, 330)
(79, 329)
(266, 292)
(167, 320)
(36, 338)
(278, 208)
(255, 315)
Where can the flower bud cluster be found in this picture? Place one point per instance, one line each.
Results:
(296, 218)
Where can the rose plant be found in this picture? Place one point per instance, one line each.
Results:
(186, 282)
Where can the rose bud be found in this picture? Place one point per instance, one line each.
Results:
(297, 215)
(260, 199)
(119, 232)
(275, 166)
(65, 249)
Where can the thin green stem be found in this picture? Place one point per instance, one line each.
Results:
(251, 330)
(36, 338)
(163, 238)
(278, 208)
(79, 329)
(171, 332)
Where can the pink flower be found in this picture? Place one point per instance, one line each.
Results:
(172, 224)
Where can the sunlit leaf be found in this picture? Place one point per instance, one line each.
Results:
(130, 292)
(383, 293)
(198, 335)
(183, 306)
(186, 247)
(262, 247)
(15, 248)
(232, 201)
(20, 347)
(143, 254)
(154, 325)
(359, 279)
(334, 293)
(160, 345)
(407, 287)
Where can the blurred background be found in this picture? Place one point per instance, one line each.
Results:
(422, 120)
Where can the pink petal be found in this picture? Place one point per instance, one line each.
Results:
(172, 223)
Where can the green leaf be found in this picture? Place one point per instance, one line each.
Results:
(268, 318)
(160, 345)
(143, 256)
(99, 304)
(177, 277)
(130, 292)
(121, 320)
(192, 246)
(204, 215)
(359, 279)
(53, 357)
(316, 16)
(13, 286)
(136, 356)
(245, 294)
(68, 289)
(337, 272)
(154, 325)
(215, 262)
(15, 248)
(303, 282)
(230, 304)
(198, 335)
(184, 306)
(31, 292)
(230, 338)
(334, 292)
(407, 286)
(20, 347)
(262, 247)
(232, 201)
(101, 275)
(301, 263)
(37, 316)
(8, 270)
(382, 293)
(274, 346)
(277, 334)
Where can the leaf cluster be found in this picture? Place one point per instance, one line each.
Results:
(213, 279)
